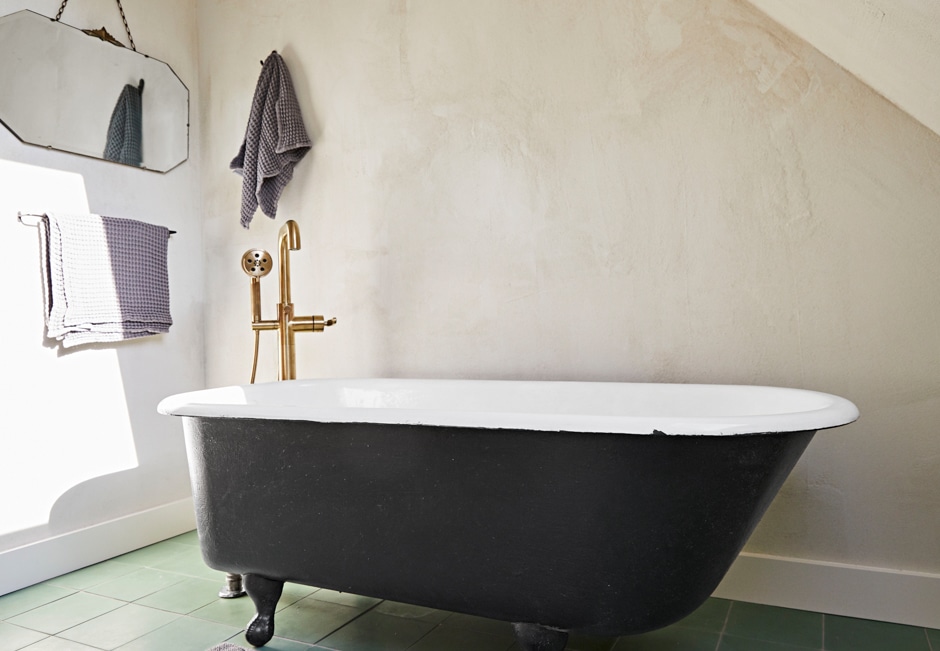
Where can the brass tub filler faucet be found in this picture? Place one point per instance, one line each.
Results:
(257, 263)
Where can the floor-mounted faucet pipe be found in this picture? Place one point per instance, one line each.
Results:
(288, 239)
(257, 263)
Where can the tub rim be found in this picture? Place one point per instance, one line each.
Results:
(820, 410)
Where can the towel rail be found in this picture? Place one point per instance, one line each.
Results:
(33, 219)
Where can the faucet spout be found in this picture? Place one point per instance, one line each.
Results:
(288, 239)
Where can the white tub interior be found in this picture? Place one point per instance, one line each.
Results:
(553, 406)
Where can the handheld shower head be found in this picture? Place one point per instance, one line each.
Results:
(257, 263)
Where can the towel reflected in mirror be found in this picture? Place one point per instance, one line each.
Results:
(125, 131)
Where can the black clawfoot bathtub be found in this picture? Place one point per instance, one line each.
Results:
(598, 508)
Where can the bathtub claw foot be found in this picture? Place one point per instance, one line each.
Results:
(264, 593)
(260, 630)
(534, 637)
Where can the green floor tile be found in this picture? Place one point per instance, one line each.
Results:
(420, 613)
(137, 584)
(32, 597)
(672, 638)
(58, 644)
(582, 643)
(238, 612)
(377, 632)
(233, 612)
(732, 643)
(850, 634)
(65, 613)
(345, 598)
(188, 538)
(93, 575)
(310, 620)
(292, 593)
(934, 636)
(158, 553)
(182, 634)
(183, 597)
(771, 624)
(589, 643)
(276, 644)
(111, 630)
(482, 624)
(13, 637)
(176, 607)
(454, 638)
(710, 616)
(189, 563)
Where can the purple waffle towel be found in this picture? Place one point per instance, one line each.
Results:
(275, 141)
(104, 278)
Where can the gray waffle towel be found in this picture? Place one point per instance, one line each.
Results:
(123, 144)
(104, 278)
(275, 141)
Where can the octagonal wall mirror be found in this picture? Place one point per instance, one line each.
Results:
(66, 90)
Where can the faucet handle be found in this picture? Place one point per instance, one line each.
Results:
(314, 323)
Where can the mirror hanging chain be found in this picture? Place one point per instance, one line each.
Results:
(123, 18)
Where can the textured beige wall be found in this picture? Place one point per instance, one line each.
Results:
(652, 191)
(892, 45)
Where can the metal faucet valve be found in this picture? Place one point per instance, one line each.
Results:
(257, 263)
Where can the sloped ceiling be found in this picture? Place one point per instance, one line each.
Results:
(891, 45)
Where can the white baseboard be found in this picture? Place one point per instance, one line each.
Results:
(44, 559)
(834, 588)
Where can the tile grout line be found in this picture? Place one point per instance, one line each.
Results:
(724, 626)
(367, 610)
(441, 623)
(433, 628)
(6, 620)
(57, 633)
(87, 591)
(126, 603)
(184, 575)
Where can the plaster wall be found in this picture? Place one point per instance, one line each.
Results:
(891, 46)
(83, 443)
(651, 191)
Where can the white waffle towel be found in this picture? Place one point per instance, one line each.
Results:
(104, 278)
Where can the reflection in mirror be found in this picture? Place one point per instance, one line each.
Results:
(73, 92)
